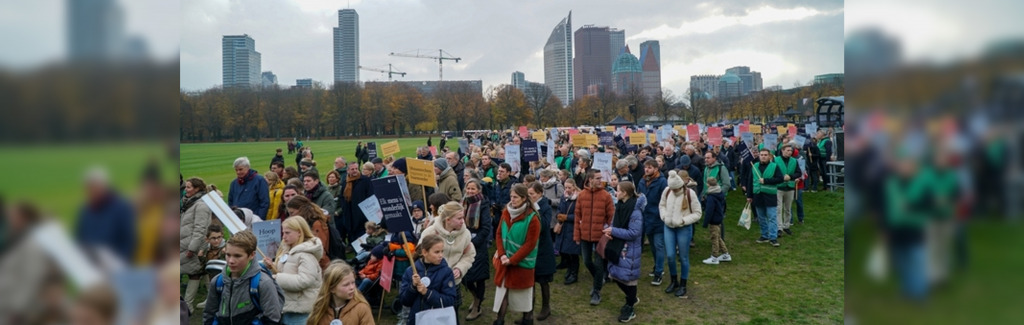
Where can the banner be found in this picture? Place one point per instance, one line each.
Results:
(603, 162)
(268, 237)
(390, 148)
(386, 271)
(551, 151)
(755, 129)
(513, 158)
(393, 203)
(531, 152)
(220, 209)
(715, 136)
(606, 139)
(540, 136)
(637, 138)
(371, 208)
(421, 172)
(771, 141)
(692, 132)
(371, 150)
(523, 132)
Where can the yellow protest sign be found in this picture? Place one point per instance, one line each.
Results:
(421, 172)
(782, 129)
(390, 148)
(652, 137)
(636, 138)
(540, 136)
(609, 128)
(755, 129)
(591, 139)
(579, 140)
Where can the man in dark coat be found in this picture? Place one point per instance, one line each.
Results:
(277, 157)
(107, 220)
(354, 191)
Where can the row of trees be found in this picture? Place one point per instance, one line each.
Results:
(375, 109)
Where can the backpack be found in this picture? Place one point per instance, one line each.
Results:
(254, 293)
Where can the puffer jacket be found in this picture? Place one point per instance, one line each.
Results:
(715, 208)
(460, 253)
(652, 188)
(441, 292)
(275, 201)
(448, 184)
(553, 190)
(236, 293)
(671, 208)
(192, 236)
(594, 210)
(299, 275)
(628, 268)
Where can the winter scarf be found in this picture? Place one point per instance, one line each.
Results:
(309, 194)
(651, 178)
(348, 186)
(247, 177)
(623, 211)
(472, 205)
(191, 200)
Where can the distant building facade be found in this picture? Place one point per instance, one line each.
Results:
(240, 62)
(558, 62)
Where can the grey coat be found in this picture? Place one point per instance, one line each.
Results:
(192, 237)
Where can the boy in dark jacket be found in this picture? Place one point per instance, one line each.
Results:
(234, 301)
(715, 213)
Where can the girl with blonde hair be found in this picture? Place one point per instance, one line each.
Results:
(297, 269)
(338, 298)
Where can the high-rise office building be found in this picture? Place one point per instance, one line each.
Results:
(730, 85)
(269, 79)
(616, 41)
(519, 80)
(751, 79)
(346, 46)
(626, 72)
(592, 66)
(650, 61)
(240, 62)
(704, 84)
(558, 65)
(95, 29)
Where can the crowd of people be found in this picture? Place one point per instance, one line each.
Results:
(540, 217)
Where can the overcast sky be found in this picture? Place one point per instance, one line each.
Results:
(787, 41)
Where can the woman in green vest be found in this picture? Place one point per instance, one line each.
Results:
(516, 242)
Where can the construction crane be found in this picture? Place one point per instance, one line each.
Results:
(389, 71)
(440, 59)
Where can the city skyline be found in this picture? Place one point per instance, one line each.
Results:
(695, 38)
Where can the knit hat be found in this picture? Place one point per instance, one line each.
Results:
(684, 161)
(377, 160)
(441, 163)
(674, 182)
(400, 165)
(378, 251)
(418, 205)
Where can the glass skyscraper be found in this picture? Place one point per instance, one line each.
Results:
(558, 68)
(346, 46)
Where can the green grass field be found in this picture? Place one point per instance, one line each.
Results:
(801, 282)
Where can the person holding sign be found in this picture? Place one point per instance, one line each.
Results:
(234, 287)
(339, 300)
(450, 226)
(516, 241)
(355, 190)
(429, 283)
(765, 177)
(315, 219)
(195, 219)
(297, 270)
(447, 181)
(400, 167)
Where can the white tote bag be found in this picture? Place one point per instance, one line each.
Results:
(443, 315)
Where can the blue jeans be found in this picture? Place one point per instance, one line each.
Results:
(658, 241)
(294, 319)
(593, 262)
(766, 220)
(799, 205)
(677, 241)
(365, 285)
(732, 179)
(911, 263)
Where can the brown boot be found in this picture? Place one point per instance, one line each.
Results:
(474, 310)
(545, 293)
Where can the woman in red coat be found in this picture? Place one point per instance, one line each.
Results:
(516, 242)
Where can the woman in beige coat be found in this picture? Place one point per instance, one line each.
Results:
(459, 251)
(195, 219)
(297, 269)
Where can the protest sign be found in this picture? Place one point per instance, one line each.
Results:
(224, 213)
(523, 132)
(69, 257)
(513, 158)
(421, 172)
(403, 185)
(386, 273)
(592, 139)
(393, 203)
(531, 152)
(800, 140)
(357, 244)
(606, 139)
(792, 130)
(371, 150)
(390, 148)
(603, 162)
(651, 137)
(464, 146)
(579, 140)
(268, 237)
(692, 132)
(433, 151)
(715, 136)
(637, 138)
(371, 209)
(551, 151)
(781, 129)
(742, 128)
(771, 141)
(811, 128)
(755, 129)
(476, 142)
(748, 138)
(540, 136)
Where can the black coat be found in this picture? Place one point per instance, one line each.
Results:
(545, 247)
(481, 269)
(352, 222)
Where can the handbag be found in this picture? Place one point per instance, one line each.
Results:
(557, 229)
(443, 315)
(745, 217)
(601, 244)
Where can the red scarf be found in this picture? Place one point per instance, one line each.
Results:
(247, 177)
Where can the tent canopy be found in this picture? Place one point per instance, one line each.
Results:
(619, 121)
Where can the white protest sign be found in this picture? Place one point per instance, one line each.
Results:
(223, 212)
(512, 157)
(55, 241)
(551, 151)
(371, 208)
(603, 162)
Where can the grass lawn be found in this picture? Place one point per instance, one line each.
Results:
(801, 282)
(213, 161)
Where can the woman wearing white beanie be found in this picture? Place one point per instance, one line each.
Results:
(679, 209)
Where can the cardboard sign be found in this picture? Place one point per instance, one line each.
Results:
(220, 209)
(531, 151)
(268, 237)
(523, 132)
(781, 129)
(513, 158)
(715, 136)
(371, 208)
(540, 136)
(771, 141)
(464, 146)
(800, 140)
(603, 162)
(421, 172)
(371, 150)
(579, 140)
(692, 132)
(591, 139)
(748, 138)
(755, 129)
(812, 128)
(792, 130)
(387, 271)
(609, 128)
(637, 138)
(606, 139)
(551, 151)
(390, 148)
(393, 203)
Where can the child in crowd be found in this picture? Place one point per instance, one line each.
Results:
(419, 293)
(213, 250)
(375, 236)
(371, 271)
(715, 212)
(234, 287)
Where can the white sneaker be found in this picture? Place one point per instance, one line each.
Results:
(711, 260)
(201, 305)
(725, 258)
